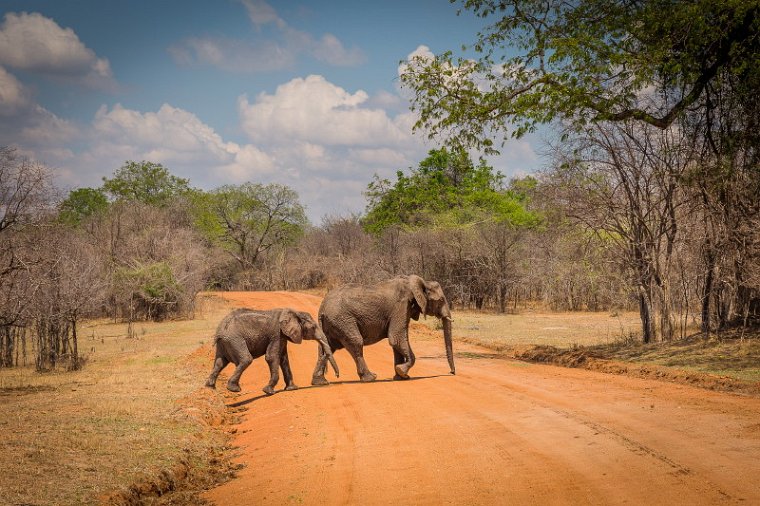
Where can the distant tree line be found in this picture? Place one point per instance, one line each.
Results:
(139, 247)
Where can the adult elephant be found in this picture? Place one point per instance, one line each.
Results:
(245, 334)
(353, 316)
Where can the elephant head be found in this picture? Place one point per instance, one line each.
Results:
(299, 325)
(429, 297)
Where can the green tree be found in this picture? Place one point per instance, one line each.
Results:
(80, 204)
(579, 61)
(146, 182)
(249, 219)
(446, 189)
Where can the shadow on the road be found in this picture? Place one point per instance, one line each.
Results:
(462, 354)
(341, 382)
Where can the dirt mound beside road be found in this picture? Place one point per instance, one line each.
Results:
(500, 431)
(586, 359)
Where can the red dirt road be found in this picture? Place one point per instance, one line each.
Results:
(499, 432)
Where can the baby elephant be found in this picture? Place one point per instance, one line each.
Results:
(245, 334)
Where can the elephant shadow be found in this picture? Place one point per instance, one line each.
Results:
(245, 402)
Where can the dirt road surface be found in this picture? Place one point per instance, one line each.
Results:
(499, 432)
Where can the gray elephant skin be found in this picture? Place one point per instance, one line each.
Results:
(353, 316)
(245, 334)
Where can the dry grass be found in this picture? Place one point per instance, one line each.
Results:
(612, 337)
(563, 330)
(70, 437)
(728, 355)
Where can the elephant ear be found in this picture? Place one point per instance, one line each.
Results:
(417, 285)
(290, 325)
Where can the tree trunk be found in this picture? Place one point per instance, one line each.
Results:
(75, 347)
(645, 312)
(667, 328)
(502, 298)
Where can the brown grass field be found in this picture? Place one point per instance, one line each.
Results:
(75, 437)
(562, 330)
(86, 437)
(611, 336)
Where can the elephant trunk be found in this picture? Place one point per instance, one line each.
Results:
(326, 348)
(446, 321)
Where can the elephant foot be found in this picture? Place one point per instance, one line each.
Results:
(402, 371)
(233, 387)
(398, 377)
(211, 385)
(319, 381)
(368, 377)
(269, 390)
(291, 387)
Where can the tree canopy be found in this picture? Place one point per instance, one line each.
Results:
(147, 182)
(81, 203)
(579, 61)
(249, 219)
(445, 189)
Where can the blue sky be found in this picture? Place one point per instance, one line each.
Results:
(298, 92)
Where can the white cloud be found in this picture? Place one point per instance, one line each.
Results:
(329, 178)
(261, 54)
(261, 13)
(331, 50)
(25, 123)
(13, 96)
(315, 110)
(35, 43)
(233, 55)
(178, 139)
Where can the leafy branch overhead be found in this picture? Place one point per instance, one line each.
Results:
(583, 61)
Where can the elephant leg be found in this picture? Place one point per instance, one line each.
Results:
(220, 363)
(398, 359)
(318, 376)
(357, 352)
(273, 358)
(287, 374)
(233, 384)
(403, 359)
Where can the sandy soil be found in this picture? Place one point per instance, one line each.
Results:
(499, 432)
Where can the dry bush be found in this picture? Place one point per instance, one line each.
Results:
(155, 263)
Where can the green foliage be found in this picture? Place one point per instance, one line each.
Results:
(581, 61)
(151, 288)
(445, 190)
(153, 281)
(146, 182)
(80, 204)
(249, 219)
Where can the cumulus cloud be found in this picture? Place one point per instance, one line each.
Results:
(282, 49)
(328, 173)
(261, 13)
(177, 138)
(330, 50)
(13, 96)
(233, 55)
(35, 43)
(25, 122)
(315, 110)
